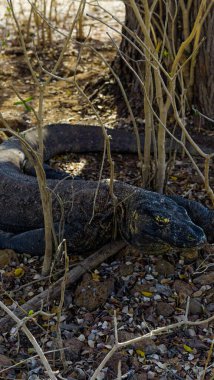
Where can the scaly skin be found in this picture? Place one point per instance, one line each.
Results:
(139, 215)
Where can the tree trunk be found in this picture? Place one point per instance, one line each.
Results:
(202, 91)
(134, 58)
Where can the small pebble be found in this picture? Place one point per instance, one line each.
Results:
(81, 338)
(191, 357)
(146, 299)
(198, 293)
(187, 367)
(151, 375)
(80, 321)
(163, 290)
(100, 346)
(157, 297)
(101, 376)
(49, 343)
(94, 332)
(149, 277)
(162, 348)
(105, 325)
(91, 336)
(191, 332)
(125, 299)
(162, 365)
(195, 307)
(125, 309)
(165, 309)
(155, 357)
(144, 325)
(91, 343)
(37, 276)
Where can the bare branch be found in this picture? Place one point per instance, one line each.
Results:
(31, 339)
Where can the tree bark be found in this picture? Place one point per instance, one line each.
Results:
(134, 58)
(202, 91)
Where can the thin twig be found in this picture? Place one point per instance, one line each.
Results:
(31, 339)
(152, 333)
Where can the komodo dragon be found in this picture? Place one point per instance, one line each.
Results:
(139, 215)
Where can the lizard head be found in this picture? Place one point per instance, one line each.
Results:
(151, 217)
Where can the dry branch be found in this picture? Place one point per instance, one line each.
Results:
(31, 339)
(72, 276)
(152, 333)
(41, 86)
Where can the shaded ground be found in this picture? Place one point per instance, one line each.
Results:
(147, 290)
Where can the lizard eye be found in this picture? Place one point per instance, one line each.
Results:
(161, 220)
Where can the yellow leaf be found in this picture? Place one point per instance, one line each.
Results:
(19, 272)
(147, 294)
(173, 178)
(96, 277)
(141, 353)
(187, 348)
(182, 276)
(31, 351)
(165, 53)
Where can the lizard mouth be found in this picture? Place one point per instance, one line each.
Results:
(149, 239)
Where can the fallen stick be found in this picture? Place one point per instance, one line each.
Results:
(72, 276)
(33, 341)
